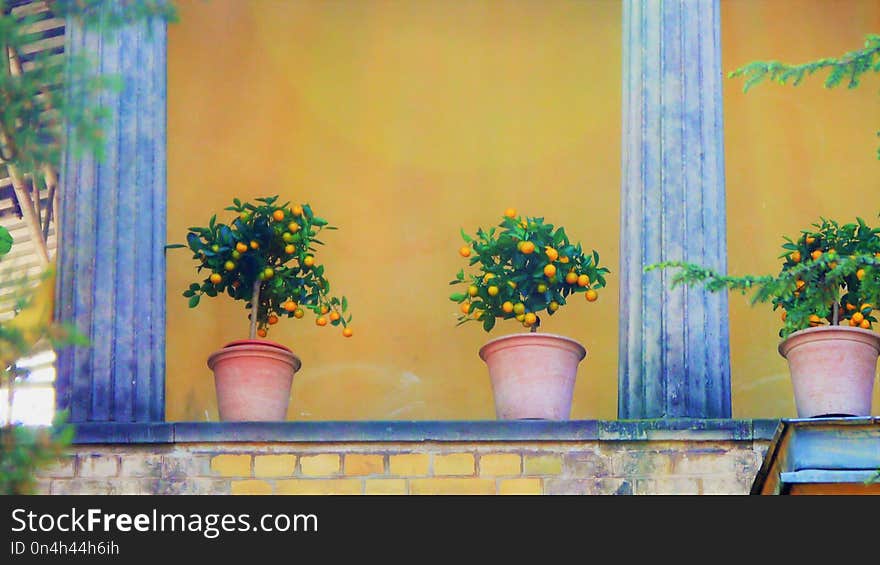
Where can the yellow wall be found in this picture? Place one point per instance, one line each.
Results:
(400, 122)
(793, 154)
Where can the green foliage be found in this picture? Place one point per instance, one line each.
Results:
(38, 100)
(26, 449)
(830, 274)
(848, 68)
(523, 268)
(270, 247)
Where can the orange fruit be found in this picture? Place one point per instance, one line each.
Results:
(216, 278)
(241, 247)
(816, 254)
(465, 307)
(290, 249)
(334, 315)
(550, 271)
(322, 321)
(473, 290)
(519, 308)
(551, 253)
(865, 306)
(309, 261)
(255, 245)
(858, 317)
(527, 247)
(261, 332)
(293, 227)
(799, 284)
(487, 277)
(541, 288)
(298, 313)
(865, 325)
(297, 210)
(273, 319)
(784, 315)
(347, 332)
(269, 273)
(520, 317)
(853, 323)
(464, 251)
(814, 319)
(511, 284)
(229, 266)
(492, 290)
(583, 280)
(850, 307)
(290, 305)
(571, 277)
(563, 259)
(796, 256)
(278, 215)
(553, 307)
(810, 240)
(510, 212)
(530, 319)
(860, 274)
(591, 295)
(507, 307)
(324, 309)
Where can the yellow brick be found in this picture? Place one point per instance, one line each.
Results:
(409, 464)
(542, 465)
(274, 465)
(357, 464)
(318, 486)
(452, 486)
(251, 487)
(385, 486)
(521, 486)
(229, 465)
(319, 465)
(454, 464)
(498, 464)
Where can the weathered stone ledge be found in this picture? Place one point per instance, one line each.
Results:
(426, 431)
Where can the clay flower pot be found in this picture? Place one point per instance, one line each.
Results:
(253, 379)
(832, 370)
(533, 375)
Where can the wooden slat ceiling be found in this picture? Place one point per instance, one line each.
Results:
(47, 38)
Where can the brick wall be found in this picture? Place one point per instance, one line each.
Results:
(683, 466)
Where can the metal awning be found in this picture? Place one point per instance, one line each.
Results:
(822, 456)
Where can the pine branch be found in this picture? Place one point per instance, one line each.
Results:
(849, 67)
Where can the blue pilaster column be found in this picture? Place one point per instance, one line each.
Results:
(674, 347)
(111, 263)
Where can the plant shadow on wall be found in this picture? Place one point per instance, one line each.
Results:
(265, 258)
(51, 103)
(527, 267)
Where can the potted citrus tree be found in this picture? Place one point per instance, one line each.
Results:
(826, 291)
(523, 270)
(265, 258)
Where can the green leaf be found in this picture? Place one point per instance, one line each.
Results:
(488, 322)
(194, 301)
(465, 237)
(458, 297)
(6, 241)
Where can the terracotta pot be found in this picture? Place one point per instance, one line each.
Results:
(253, 379)
(532, 375)
(832, 370)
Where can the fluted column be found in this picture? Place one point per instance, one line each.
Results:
(674, 350)
(111, 264)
